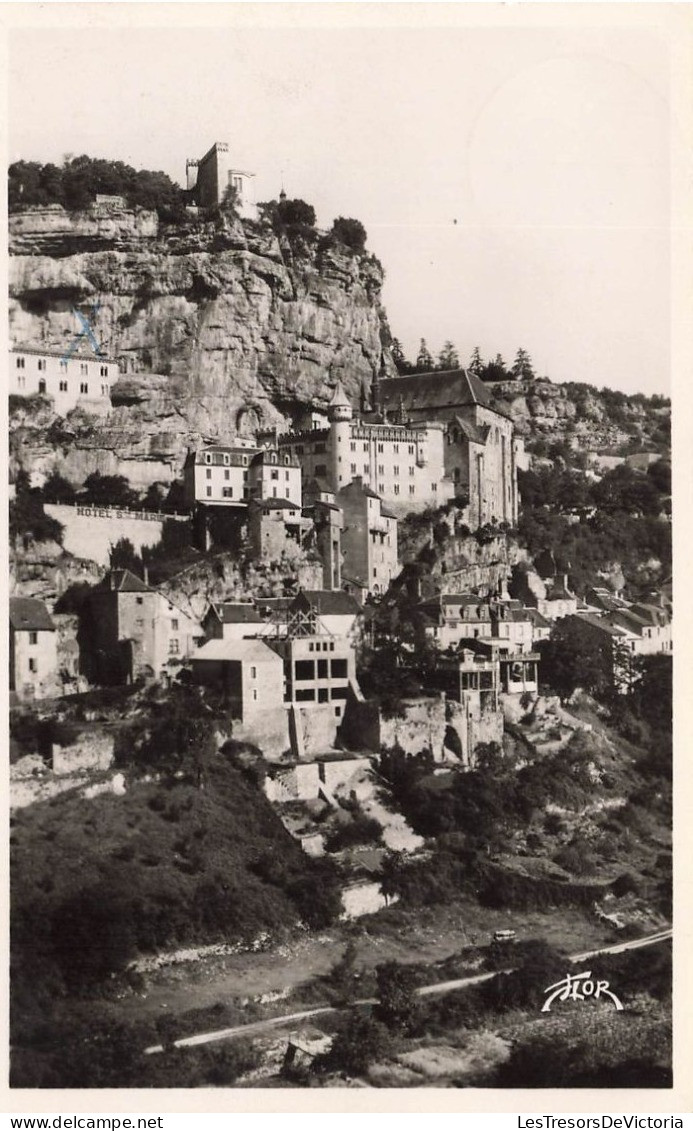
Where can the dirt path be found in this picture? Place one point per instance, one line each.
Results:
(394, 935)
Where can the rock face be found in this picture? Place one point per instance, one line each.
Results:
(219, 326)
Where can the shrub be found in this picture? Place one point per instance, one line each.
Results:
(349, 232)
(357, 1045)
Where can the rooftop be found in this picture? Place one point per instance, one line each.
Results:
(230, 612)
(329, 602)
(441, 389)
(124, 581)
(29, 615)
(239, 650)
(64, 352)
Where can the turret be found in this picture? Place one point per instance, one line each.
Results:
(340, 405)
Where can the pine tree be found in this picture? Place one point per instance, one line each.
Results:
(476, 364)
(398, 357)
(424, 359)
(448, 358)
(522, 366)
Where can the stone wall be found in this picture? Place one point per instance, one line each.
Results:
(90, 532)
(93, 751)
(268, 730)
(319, 729)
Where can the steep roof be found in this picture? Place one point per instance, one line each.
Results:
(230, 612)
(29, 615)
(445, 388)
(477, 434)
(124, 581)
(339, 397)
(329, 602)
(251, 651)
(274, 604)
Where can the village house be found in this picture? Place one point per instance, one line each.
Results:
(335, 611)
(275, 475)
(473, 679)
(232, 620)
(618, 643)
(250, 672)
(70, 379)
(369, 537)
(320, 507)
(136, 631)
(33, 650)
(273, 525)
(219, 474)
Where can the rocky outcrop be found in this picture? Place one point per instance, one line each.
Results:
(219, 326)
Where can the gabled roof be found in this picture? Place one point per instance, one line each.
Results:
(251, 651)
(537, 619)
(230, 612)
(124, 581)
(329, 602)
(445, 388)
(277, 505)
(274, 604)
(29, 615)
(387, 513)
(475, 433)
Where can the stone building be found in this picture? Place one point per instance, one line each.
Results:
(232, 620)
(369, 537)
(250, 672)
(481, 451)
(403, 463)
(70, 379)
(273, 526)
(219, 474)
(208, 178)
(134, 630)
(33, 650)
(275, 475)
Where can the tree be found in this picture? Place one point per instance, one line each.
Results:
(57, 489)
(359, 1043)
(660, 474)
(623, 489)
(424, 360)
(476, 365)
(397, 1004)
(578, 656)
(154, 498)
(349, 232)
(398, 357)
(522, 366)
(494, 370)
(123, 556)
(448, 358)
(28, 519)
(108, 491)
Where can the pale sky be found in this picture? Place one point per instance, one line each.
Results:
(514, 182)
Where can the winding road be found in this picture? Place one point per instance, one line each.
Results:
(255, 1027)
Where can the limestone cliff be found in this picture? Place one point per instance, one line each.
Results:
(220, 327)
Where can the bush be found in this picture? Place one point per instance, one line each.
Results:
(349, 232)
(360, 830)
(357, 1045)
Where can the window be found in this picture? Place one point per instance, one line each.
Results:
(366, 469)
(173, 647)
(411, 470)
(208, 457)
(380, 448)
(253, 673)
(226, 459)
(33, 637)
(396, 488)
(305, 669)
(41, 365)
(339, 669)
(139, 600)
(244, 461)
(287, 476)
(21, 382)
(32, 665)
(396, 469)
(412, 489)
(104, 371)
(227, 492)
(322, 669)
(84, 388)
(209, 473)
(63, 365)
(365, 447)
(319, 449)
(381, 469)
(62, 385)
(255, 694)
(353, 447)
(139, 622)
(323, 695)
(174, 624)
(340, 692)
(274, 474)
(411, 449)
(274, 492)
(209, 492)
(321, 469)
(396, 449)
(332, 646)
(434, 486)
(84, 369)
(20, 363)
(353, 469)
(227, 474)
(305, 695)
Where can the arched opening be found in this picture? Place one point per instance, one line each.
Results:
(42, 385)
